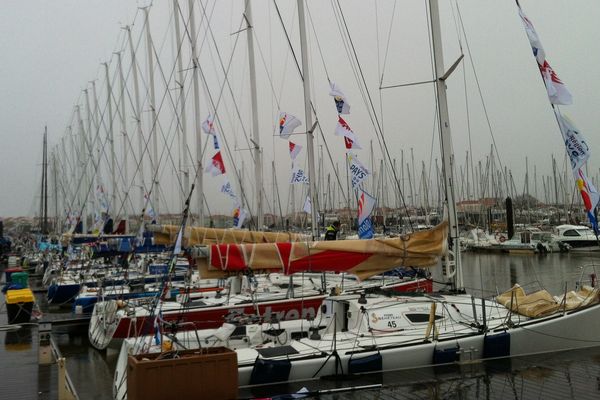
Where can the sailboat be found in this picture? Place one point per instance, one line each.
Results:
(370, 333)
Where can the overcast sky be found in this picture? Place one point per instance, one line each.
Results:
(51, 50)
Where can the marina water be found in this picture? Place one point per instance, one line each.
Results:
(92, 371)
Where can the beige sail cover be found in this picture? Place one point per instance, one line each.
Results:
(363, 258)
(198, 236)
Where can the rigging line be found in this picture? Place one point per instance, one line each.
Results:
(118, 164)
(226, 78)
(109, 165)
(270, 79)
(310, 19)
(374, 119)
(387, 46)
(318, 125)
(227, 148)
(353, 64)
(91, 147)
(379, 70)
(192, 64)
(483, 104)
(287, 54)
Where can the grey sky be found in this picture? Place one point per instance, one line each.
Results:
(52, 49)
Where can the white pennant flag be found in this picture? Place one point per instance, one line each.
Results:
(239, 215)
(177, 249)
(534, 39)
(298, 176)
(343, 129)
(577, 148)
(228, 190)
(341, 103)
(216, 166)
(294, 150)
(208, 125)
(287, 124)
(557, 91)
(149, 210)
(307, 205)
(358, 171)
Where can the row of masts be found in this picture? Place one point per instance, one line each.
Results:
(85, 154)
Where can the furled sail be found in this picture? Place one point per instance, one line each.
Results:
(363, 258)
(198, 236)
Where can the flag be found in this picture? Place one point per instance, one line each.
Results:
(216, 167)
(239, 215)
(208, 125)
(139, 239)
(149, 210)
(589, 195)
(307, 205)
(294, 150)
(287, 124)
(358, 171)
(350, 144)
(577, 148)
(177, 248)
(101, 198)
(534, 39)
(366, 204)
(298, 176)
(228, 190)
(156, 330)
(341, 103)
(216, 144)
(342, 129)
(557, 91)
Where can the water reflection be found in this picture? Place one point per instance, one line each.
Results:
(18, 340)
(496, 273)
(567, 375)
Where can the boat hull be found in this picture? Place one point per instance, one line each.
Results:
(105, 332)
(550, 334)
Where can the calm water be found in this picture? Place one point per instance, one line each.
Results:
(92, 371)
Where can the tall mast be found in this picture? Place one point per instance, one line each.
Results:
(55, 190)
(125, 140)
(44, 189)
(445, 143)
(83, 184)
(308, 118)
(138, 117)
(183, 155)
(255, 133)
(88, 150)
(111, 139)
(154, 120)
(197, 117)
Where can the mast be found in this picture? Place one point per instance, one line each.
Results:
(453, 256)
(308, 118)
(125, 139)
(255, 133)
(55, 190)
(154, 119)
(44, 188)
(83, 184)
(88, 112)
(111, 139)
(183, 156)
(197, 118)
(138, 117)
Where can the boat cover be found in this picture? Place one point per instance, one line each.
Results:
(197, 236)
(541, 303)
(363, 258)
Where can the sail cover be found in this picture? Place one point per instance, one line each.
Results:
(363, 258)
(198, 236)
